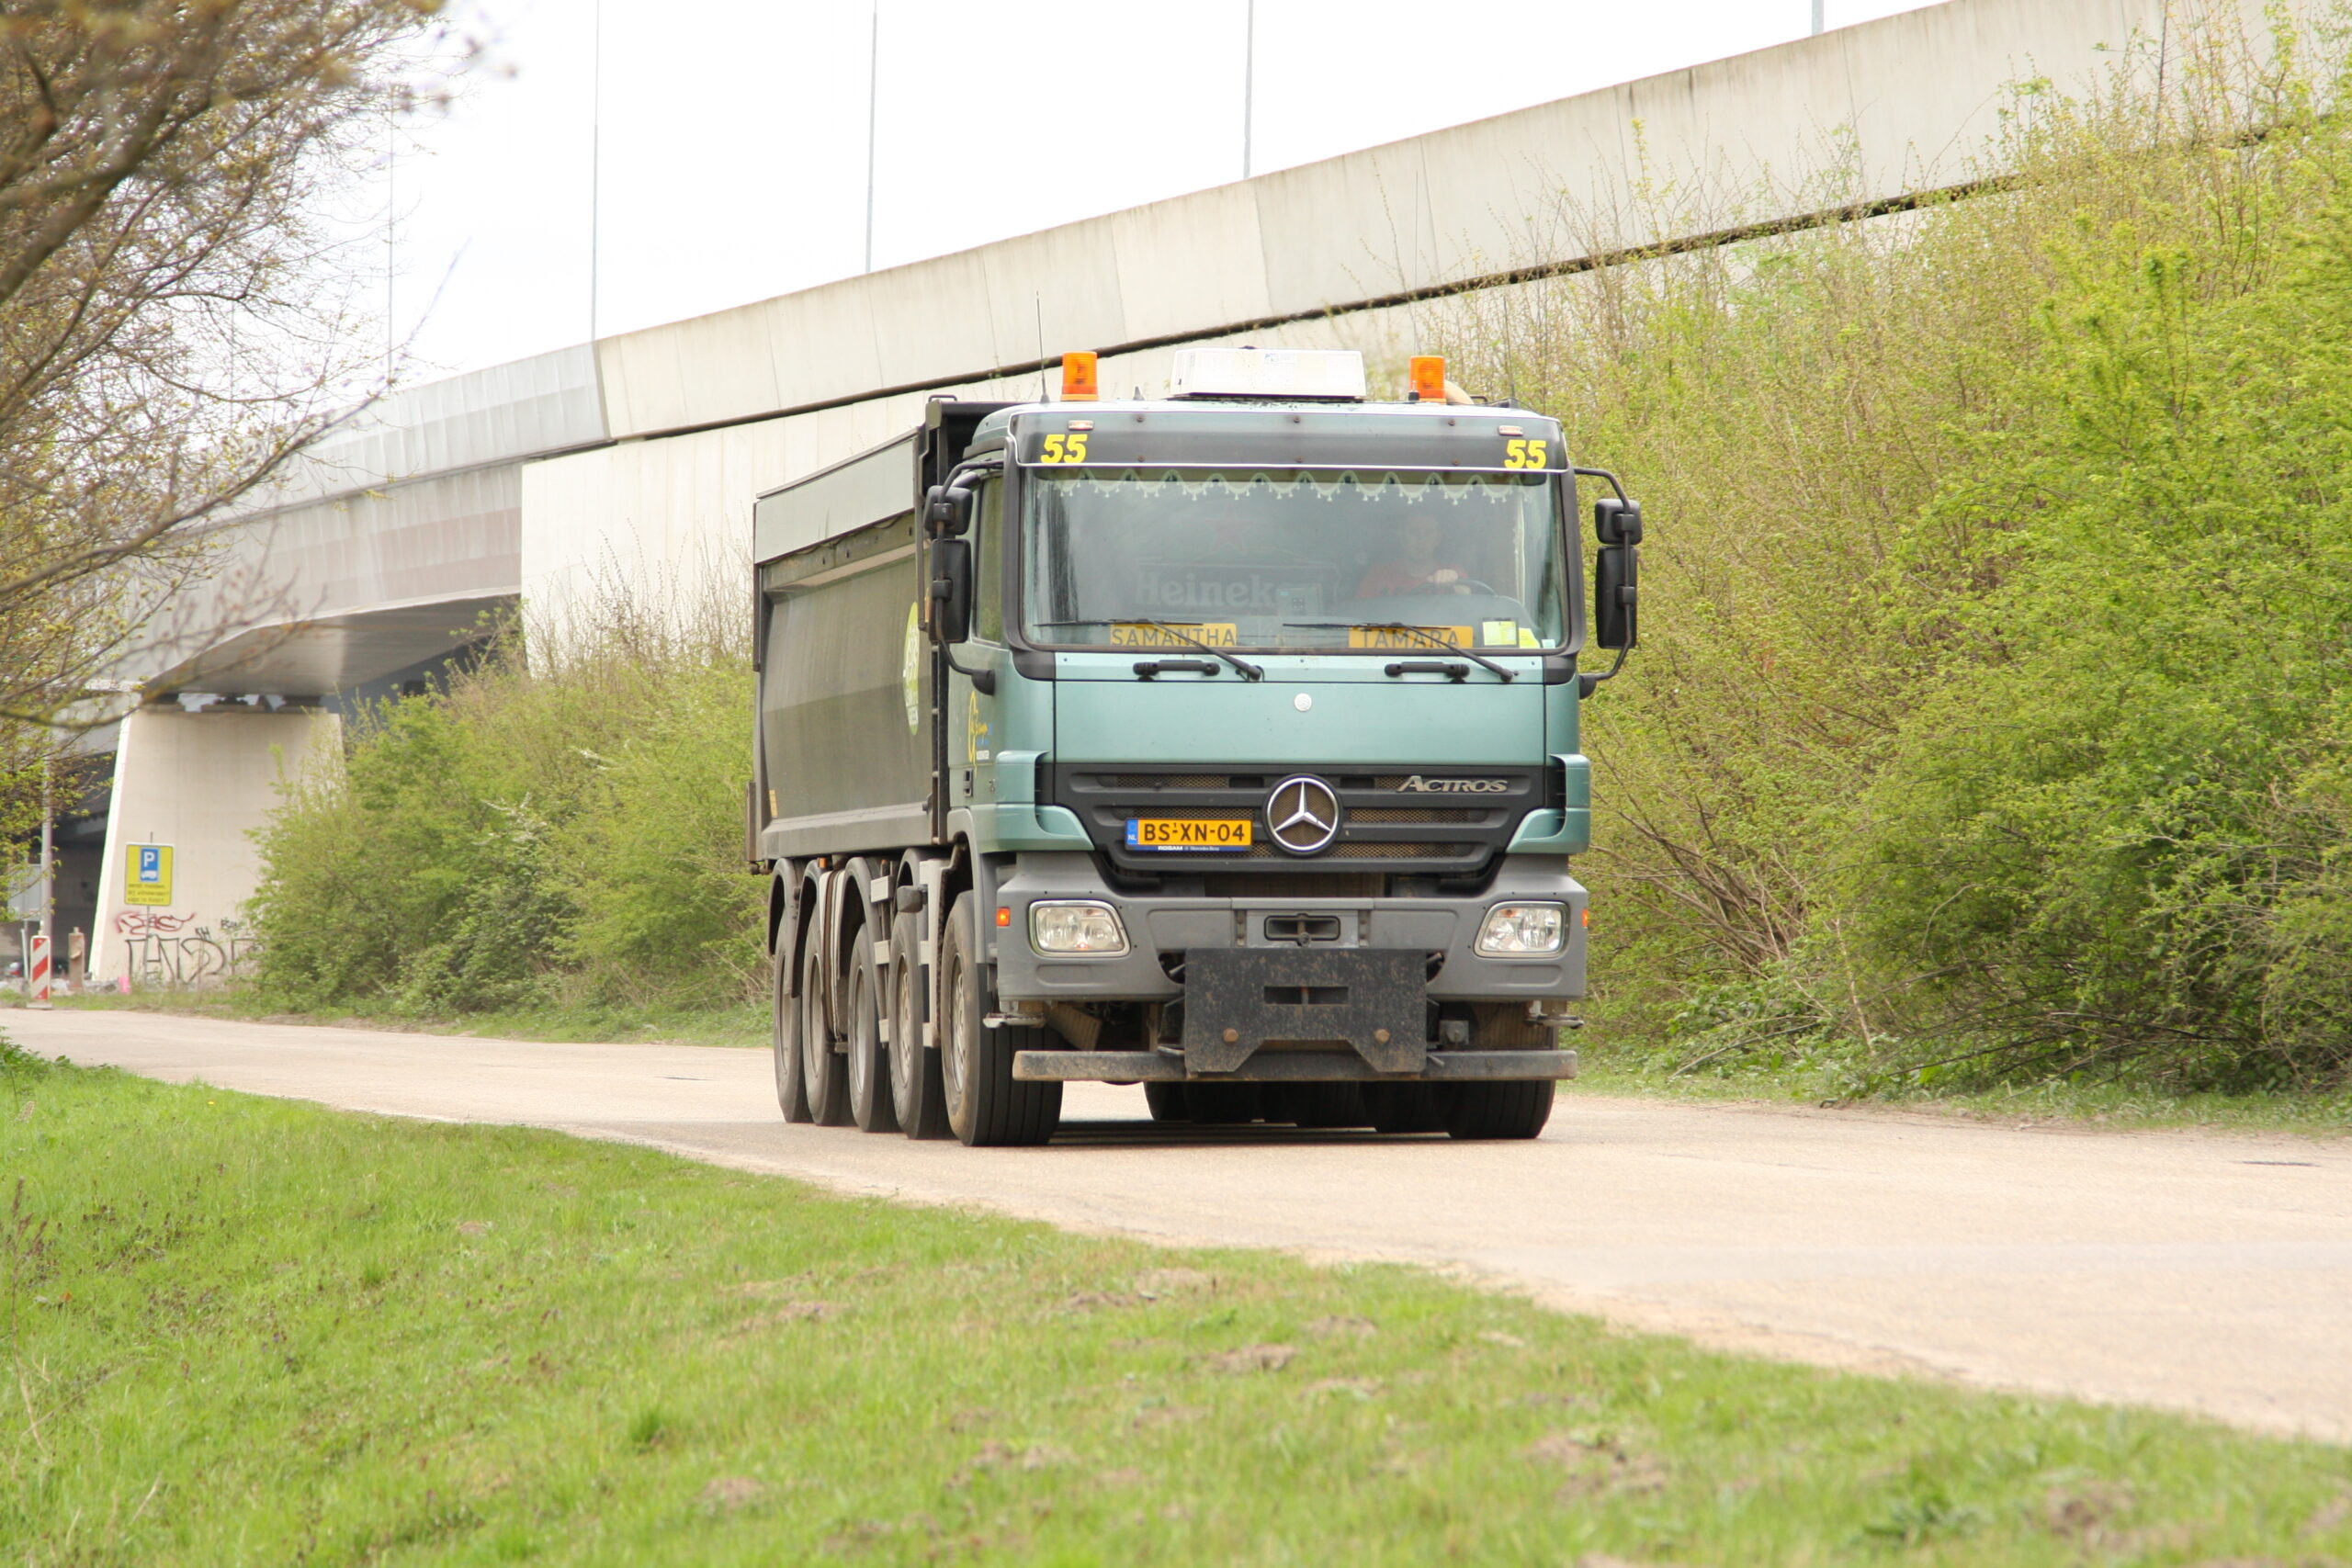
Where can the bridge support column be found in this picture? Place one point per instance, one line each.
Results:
(197, 783)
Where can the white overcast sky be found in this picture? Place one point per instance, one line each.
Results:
(733, 133)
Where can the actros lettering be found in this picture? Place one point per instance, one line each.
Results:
(1420, 785)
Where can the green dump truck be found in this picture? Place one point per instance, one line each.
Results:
(1225, 743)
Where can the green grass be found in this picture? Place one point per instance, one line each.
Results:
(2109, 1105)
(246, 1331)
(1624, 1058)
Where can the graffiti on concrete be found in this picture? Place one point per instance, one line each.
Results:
(166, 949)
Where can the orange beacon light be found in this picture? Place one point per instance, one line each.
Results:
(1078, 377)
(1429, 378)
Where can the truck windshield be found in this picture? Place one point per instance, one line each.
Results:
(1292, 562)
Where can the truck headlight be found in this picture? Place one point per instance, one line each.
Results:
(1076, 925)
(1522, 930)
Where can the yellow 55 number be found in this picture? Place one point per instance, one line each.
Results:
(1070, 448)
(1524, 454)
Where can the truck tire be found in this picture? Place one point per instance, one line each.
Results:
(822, 1079)
(1508, 1108)
(1167, 1101)
(791, 1092)
(865, 1057)
(1511, 1108)
(1403, 1107)
(987, 1106)
(916, 1093)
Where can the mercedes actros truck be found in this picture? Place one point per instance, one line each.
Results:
(1224, 743)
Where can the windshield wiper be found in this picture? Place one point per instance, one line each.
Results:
(1249, 672)
(1422, 632)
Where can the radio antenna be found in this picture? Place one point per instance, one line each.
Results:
(1038, 301)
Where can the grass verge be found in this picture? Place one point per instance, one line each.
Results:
(2107, 1105)
(1836, 1073)
(244, 1330)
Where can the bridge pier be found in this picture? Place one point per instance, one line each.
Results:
(197, 783)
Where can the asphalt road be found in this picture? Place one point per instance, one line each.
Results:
(2194, 1271)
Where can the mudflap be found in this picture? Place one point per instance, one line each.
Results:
(1237, 999)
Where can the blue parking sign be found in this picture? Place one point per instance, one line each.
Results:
(147, 875)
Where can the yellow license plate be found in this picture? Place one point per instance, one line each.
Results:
(1133, 634)
(1211, 833)
(1417, 636)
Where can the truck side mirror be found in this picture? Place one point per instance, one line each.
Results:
(1617, 522)
(1615, 595)
(948, 511)
(1616, 569)
(951, 590)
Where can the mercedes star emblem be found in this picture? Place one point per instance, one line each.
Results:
(1303, 815)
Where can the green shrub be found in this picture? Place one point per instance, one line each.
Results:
(561, 824)
(1994, 685)
(2122, 840)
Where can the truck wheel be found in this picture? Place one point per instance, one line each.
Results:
(1502, 1110)
(821, 1078)
(1167, 1101)
(985, 1104)
(916, 1093)
(1403, 1107)
(791, 1093)
(1508, 1110)
(867, 1058)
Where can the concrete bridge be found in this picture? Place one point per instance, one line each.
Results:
(629, 464)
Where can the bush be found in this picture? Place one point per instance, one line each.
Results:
(1994, 690)
(561, 824)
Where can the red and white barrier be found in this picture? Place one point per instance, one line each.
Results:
(37, 982)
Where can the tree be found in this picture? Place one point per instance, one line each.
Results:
(173, 321)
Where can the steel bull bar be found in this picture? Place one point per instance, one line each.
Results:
(1374, 1003)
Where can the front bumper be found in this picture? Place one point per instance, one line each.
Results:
(1161, 927)
(1362, 1002)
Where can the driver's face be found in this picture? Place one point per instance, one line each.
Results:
(1421, 538)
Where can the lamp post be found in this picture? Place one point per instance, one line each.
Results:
(873, 98)
(1249, 76)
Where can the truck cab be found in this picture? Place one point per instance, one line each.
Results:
(1246, 723)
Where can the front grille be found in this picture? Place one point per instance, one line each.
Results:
(1175, 781)
(1301, 884)
(1389, 826)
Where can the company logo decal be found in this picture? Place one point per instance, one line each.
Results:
(1303, 815)
(1420, 785)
